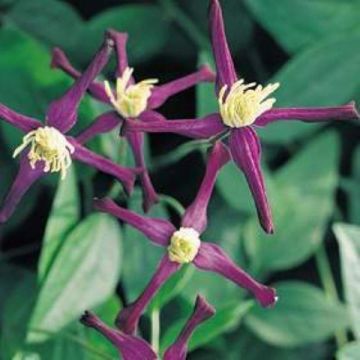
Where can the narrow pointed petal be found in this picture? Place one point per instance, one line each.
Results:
(202, 312)
(225, 69)
(125, 175)
(130, 347)
(212, 258)
(203, 128)
(246, 152)
(196, 214)
(25, 178)
(120, 40)
(62, 113)
(151, 116)
(136, 141)
(128, 319)
(60, 61)
(20, 121)
(161, 93)
(344, 112)
(158, 231)
(102, 124)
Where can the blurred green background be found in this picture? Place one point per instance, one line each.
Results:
(58, 257)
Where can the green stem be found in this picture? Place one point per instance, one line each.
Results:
(328, 283)
(155, 329)
(185, 23)
(173, 203)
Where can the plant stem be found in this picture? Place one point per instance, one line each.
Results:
(186, 24)
(155, 329)
(173, 203)
(328, 283)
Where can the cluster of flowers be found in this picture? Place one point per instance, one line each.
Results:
(231, 132)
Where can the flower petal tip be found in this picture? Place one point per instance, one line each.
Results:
(58, 58)
(355, 110)
(267, 297)
(208, 74)
(114, 34)
(203, 307)
(88, 319)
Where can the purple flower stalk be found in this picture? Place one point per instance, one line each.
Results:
(130, 100)
(134, 348)
(184, 245)
(242, 108)
(47, 148)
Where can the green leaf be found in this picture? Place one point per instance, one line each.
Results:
(324, 19)
(353, 188)
(321, 76)
(302, 201)
(145, 24)
(349, 352)
(83, 275)
(348, 237)
(302, 315)
(64, 215)
(226, 319)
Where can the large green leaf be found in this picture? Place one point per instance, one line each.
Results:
(64, 215)
(348, 237)
(353, 189)
(311, 20)
(350, 351)
(83, 275)
(302, 315)
(302, 200)
(321, 76)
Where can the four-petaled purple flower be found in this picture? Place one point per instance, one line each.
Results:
(133, 348)
(47, 148)
(130, 100)
(184, 245)
(242, 107)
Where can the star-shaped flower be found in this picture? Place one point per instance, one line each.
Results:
(242, 108)
(47, 148)
(133, 348)
(184, 245)
(131, 100)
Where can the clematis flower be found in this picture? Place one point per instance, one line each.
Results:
(134, 348)
(46, 147)
(242, 108)
(131, 100)
(184, 245)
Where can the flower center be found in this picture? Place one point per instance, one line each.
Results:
(130, 100)
(244, 103)
(49, 145)
(184, 245)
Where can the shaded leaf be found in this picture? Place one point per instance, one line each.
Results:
(350, 351)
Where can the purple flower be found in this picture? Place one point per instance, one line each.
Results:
(242, 108)
(47, 148)
(184, 245)
(134, 348)
(130, 100)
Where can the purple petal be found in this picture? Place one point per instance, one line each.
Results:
(129, 316)
(62, 113)
(196, 214)
(60, 61)
(212, 258)
(161, 93)
(102, 124)
(25, 178)
(345, 112)
(136, 141)
(125, 175)
(158, 231)
(151, 116)
(20, 121)
(120, 40)
(226, 74)
(246, 152)
(130, 347)
(202, 312)
(198, 128)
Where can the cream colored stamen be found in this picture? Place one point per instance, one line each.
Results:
(130, 100)
(244, 104)
(49, 145)
(184, 245)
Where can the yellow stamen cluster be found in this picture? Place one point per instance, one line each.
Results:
(50, 146)
(184, 245)
(243, 103)
(130, 100)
